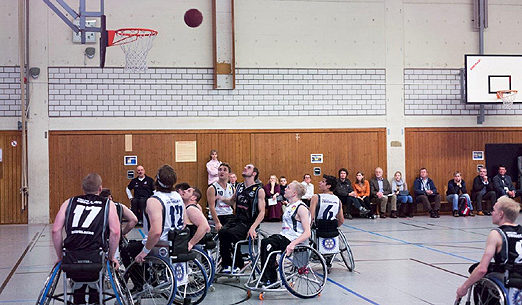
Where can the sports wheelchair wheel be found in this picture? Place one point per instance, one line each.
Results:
(303, 272)
(488, 292)
(122, 294)
(47, 292)
(207, 262)
(196, 285)
(346, 252)
(151, 282)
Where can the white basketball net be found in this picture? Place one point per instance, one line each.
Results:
(136, 47)
(508, 98)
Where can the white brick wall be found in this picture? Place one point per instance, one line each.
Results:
(437, 92)
(174, 92)
(10, 92)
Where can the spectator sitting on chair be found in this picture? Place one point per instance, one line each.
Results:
(143, 187)
(483, 189)
(344, 190)
(272, 191)
(382, 195)
(400, 187)
(361, 188)
(502, 245)
(504, 185)
(295, 231)
(309, 186)
(456, 191)
(426, 193)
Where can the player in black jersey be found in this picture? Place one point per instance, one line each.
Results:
(504, 244)
(91, 223)
(127, 218)
(249, 202)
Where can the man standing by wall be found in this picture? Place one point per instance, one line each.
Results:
(143, 187)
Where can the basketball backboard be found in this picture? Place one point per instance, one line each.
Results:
(487, 74)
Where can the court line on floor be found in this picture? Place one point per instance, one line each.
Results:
(142, 234)
(412, 244)
(18, 301)
(351, 291)
(13, 270)
(437, 267)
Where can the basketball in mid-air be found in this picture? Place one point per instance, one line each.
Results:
(193, 18)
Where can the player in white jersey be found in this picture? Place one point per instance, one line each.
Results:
(295, 230)
(219, 211)
(165, 210)
(326, 205)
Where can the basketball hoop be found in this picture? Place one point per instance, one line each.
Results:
(507, 97)
(136, 44)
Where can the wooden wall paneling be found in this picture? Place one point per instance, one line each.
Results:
(445, 150)
(275, 153)
(10, 179)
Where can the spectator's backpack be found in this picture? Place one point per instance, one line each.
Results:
(464, 209)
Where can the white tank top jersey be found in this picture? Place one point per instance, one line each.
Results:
(328, 206)
(292, 228)
(173, 208)
(221, 207)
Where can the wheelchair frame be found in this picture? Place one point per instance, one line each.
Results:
(252, 254)
(490, 287)
(168, 289)
(296, 265)
(121, 294)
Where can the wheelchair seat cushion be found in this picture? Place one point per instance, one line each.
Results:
(184, 257)
(326, 228)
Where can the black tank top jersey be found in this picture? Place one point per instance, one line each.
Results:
(511, 252)
(86, 223)
(246, 202)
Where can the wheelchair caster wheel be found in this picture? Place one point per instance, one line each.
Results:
(212, 288)
(249, 294)
(261, 296)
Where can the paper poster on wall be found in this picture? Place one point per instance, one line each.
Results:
(478, 155)
(316, 158)
(186, 151)
(0, 155)
(130, 160)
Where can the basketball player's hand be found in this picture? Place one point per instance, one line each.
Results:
(190, 246)
(115, 263)
(461, 292)
(511, 194)
(218, 226)
(140, 257)
(252, 233)
(290, 248)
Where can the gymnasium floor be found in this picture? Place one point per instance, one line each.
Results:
(398, 261)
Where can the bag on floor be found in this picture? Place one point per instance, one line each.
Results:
(464, 209)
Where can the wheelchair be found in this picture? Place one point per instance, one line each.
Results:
(249, 250)
(331, 242)
(167, 277)
(302, 273)
(101, 276)
(491, 290)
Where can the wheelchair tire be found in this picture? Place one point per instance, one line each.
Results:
(207, 262)
(303, 272)
(122, 294)
(346, 252)
(489, 291)
(151, 282)
(196, 286)
(47, 292)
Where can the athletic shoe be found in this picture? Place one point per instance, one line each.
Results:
(487, 213)
(480, 213)
(455, 213)
(382, 215)
(472, 213)
(363, 212)
(226, 269)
